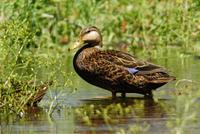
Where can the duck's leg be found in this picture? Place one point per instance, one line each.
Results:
(123, 94)
(148, 95)
(114, 95)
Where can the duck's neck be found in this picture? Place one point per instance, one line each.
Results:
(78, 53)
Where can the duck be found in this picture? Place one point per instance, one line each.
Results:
(40, 92)
(32, 97)
(113, 70)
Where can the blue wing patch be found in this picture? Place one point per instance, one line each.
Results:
(132, 70)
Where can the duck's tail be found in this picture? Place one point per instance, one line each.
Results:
(163, 79)
(156, 83)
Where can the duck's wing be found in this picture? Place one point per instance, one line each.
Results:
(122, 70)
(128, 61)
(104, 68)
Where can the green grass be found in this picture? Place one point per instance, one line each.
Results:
(35, 36)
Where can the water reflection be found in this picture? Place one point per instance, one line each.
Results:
(36, 120)
(142, 110)
(143, 107)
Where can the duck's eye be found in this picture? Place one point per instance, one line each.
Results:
(88, 31)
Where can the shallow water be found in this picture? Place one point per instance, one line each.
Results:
(144, 111)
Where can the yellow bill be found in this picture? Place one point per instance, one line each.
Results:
(76, 45)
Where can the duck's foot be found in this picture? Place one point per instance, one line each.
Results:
(123, 95)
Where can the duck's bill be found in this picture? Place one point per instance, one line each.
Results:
(76, 45)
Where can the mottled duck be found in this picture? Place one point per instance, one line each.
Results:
(116, 71)
(22, 93)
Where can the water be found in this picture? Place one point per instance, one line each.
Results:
(145, 113)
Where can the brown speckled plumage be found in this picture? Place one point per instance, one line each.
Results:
(108, 69)
(33, 98)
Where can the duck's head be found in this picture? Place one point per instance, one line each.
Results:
(90, 36)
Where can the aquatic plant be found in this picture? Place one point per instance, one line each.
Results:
(135, 129)
(25, 58)
(117, 114)
(185, 107)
